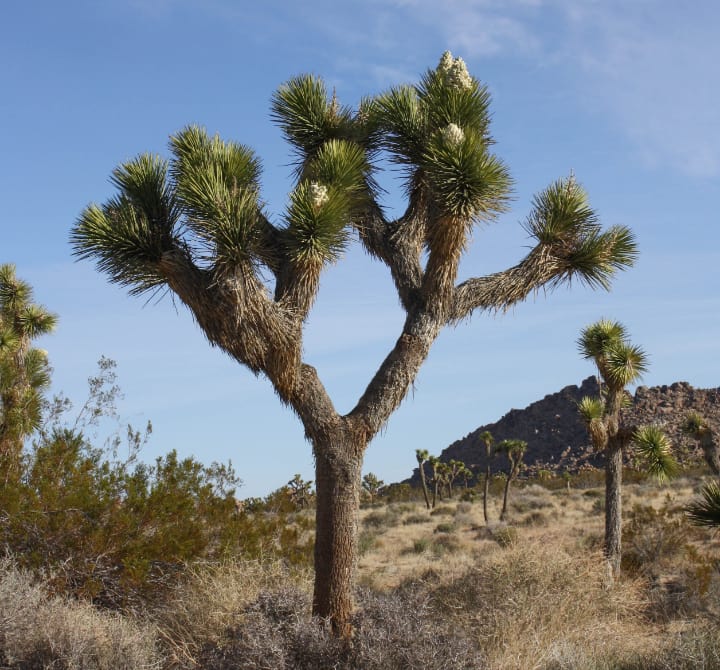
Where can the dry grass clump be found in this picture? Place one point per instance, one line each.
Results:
(212, 599)
(530, 602)
(394, 631)
(39, 631)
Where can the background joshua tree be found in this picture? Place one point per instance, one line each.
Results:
(619, 363)
(422, 456)
(372, 485)
(300, 491)
(696, 426)
(487, 439)
(435, 477)
(514, 450)
(195, 225)
(24, 370)
(706, 510)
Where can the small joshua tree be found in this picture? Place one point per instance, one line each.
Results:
(696, 426)
(619, 363)
(487, 439)
(24, 370)
(372, 486)
(300, 491)
(422, 456)
(514, 450)
(706, 510)
(196, 225)
(436, 478)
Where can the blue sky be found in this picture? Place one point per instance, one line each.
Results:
(626, 94)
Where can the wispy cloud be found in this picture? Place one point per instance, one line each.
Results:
(653, 68)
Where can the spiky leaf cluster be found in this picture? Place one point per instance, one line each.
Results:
(653, 445)
(618, 361)
(694, 424)
(564, 223)
(217, 184)
(438, 132)
(706, 510)
(128, 234)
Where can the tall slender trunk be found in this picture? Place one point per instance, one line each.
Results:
(613, 506)
(424, 485)
(486, 491)
(505, 498)
(337, 480)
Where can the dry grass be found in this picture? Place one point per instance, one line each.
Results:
(37, 631)
(436, 590)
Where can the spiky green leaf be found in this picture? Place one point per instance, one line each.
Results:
(653, 445)
(316, 231)
(706, 510)
(563, 222)
(624, 363)
(595, 338)
(591, 409)
(694, 424)
(123, 242)
(467, 182)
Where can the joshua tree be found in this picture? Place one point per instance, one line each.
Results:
(696, 426)
(454, 470)
(466, 475)
(514, 450)
(422, 456)
(300, 491)
(196, 225)
(436, 477)
(487, 439)
(24, 370)
(372, 485)
(619, 363)
(706, 510)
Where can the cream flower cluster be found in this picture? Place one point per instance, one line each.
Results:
(318, 194)
(455, 71)
(453, 135)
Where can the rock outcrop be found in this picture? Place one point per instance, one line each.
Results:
(558, 440)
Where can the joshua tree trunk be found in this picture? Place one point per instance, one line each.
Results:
(613, 506)
(337, 480)
(424, 485)
(486, 491)
(505, 498)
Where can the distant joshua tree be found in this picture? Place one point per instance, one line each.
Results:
(619, 363)
(706, 510)
(372, 485)
(24, 370)
(300, 491)
(487, 439)
(696, 426)
(422, 456)
(514, 450)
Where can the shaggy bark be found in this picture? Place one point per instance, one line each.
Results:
(613, 506)
(338, 464)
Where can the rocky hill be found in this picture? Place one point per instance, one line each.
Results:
(557, 438)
